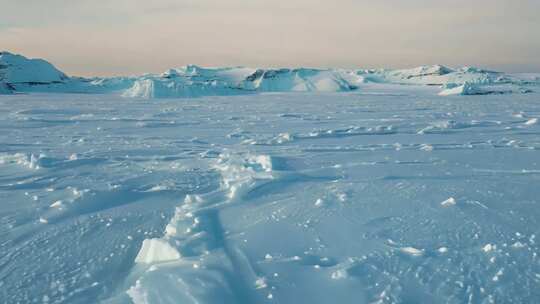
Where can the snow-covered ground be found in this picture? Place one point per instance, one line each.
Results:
(388, 194)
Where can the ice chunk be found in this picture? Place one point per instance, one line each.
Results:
(260, 283)
(532, 121)
(443, 250)
(489, 247)
(56, 204)
(156, 250)
(412, 251)
(449, 202)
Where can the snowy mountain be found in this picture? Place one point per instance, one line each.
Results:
(300, 80)
(21, 74)
(17, 69)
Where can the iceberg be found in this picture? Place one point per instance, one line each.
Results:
(194, 81)
(20, 74)
(437, 75)
(189, 81)
(479, 89)
(300, 80)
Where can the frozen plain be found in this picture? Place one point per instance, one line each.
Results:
(390, 194)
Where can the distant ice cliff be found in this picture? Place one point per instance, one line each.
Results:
(19, 74)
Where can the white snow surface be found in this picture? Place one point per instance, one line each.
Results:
(156, 251)
(20, 74)
(385, 194)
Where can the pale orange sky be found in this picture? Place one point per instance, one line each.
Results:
(119, 37)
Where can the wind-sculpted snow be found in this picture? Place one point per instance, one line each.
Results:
(283, 138)
(193, 262)
(393, 195)
(19, 74)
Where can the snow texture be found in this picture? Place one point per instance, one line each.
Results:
(389, 194)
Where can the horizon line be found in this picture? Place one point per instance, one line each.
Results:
(274, 67)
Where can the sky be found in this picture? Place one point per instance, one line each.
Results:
(127, 37)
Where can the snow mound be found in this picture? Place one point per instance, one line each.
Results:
(15, 69)
(206, 267)
(30, 161)
(464, 89)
